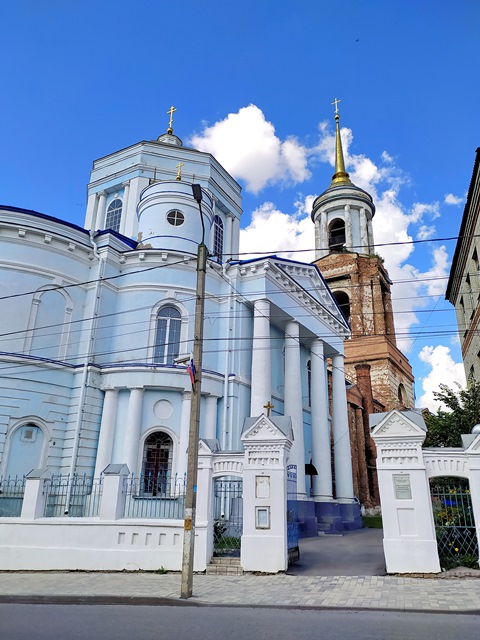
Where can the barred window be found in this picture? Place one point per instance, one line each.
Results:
(157, 464)
(167, 339)
(114, 215)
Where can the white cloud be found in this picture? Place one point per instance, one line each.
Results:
(271, 229)
(452, 199)
(245, 143)
(444, 370)
(425, 232)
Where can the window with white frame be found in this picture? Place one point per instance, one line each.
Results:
(167, 335)
(114, 215)
(218, 237)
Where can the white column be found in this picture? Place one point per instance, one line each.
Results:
(235, 238)
(107, 431)
(341, 433)
(210, 429)
(123, 219)
(91, 211)
(348, 228)
(100, 215)
(321, 455)
(293, 402)
(364, 231)
(227, 244)
(371, 244)
(261, 391)
(184, 431)
(324, 235)
(132, 433)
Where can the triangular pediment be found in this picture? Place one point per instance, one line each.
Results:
(264, 428)
(207, 446)
(396, 424)
(474, 446)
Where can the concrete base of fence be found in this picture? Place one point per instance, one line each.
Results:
(411, 556)
(92, 545)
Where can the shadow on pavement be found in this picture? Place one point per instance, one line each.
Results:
(354, 553)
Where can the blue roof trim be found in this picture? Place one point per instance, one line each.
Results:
(131, 243)
(44, 216)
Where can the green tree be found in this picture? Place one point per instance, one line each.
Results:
(459, 414)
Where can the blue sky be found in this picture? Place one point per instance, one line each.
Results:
(253, 82)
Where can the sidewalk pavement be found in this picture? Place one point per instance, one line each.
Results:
(394, 593)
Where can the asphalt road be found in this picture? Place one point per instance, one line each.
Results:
(108, 622)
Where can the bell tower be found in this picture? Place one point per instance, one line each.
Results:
(356, 275)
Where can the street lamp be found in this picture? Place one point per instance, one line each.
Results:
(194, 429)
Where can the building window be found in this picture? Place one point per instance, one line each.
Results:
(157, 464)
(475, 260)
(402, 396)
(336, 235)
(167, 339)
(218, 237)
(114, 215)
(343, 302)
(175, 217)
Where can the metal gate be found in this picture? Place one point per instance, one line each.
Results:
(292, 514)
(454, 522)
(228, 516)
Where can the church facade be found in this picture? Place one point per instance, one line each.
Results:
(98, 328)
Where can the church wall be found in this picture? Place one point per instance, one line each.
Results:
(42, 398)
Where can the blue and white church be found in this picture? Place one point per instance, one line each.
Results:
(96, 329)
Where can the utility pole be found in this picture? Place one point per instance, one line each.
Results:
(194, 430)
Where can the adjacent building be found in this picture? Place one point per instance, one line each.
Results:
(463, 289)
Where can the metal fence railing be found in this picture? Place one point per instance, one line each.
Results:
(11, 497)
(160, 496)
(454, 522)
(72, 496)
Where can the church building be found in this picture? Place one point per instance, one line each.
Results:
(98, 327)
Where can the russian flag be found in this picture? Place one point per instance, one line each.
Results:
(191, 370)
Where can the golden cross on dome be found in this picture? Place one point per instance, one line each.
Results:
(179, 171)
(269, 406)
(336, 102)
(170, 112)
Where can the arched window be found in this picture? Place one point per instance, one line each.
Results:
(336, 235)
(114, 215)
(157, 464)
(402, 396)
(343, 302)
(167, 339)
(218, 237)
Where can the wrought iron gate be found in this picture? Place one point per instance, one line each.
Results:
(292, 514)
(228, 516)
(454, 522)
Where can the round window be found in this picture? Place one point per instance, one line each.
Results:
(175, 217)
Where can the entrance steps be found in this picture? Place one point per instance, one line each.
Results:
(224, 567)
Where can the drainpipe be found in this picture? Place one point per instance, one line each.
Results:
(226, 436)
(83, 387)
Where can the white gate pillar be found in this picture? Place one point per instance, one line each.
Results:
(409, 540)
(267, 442)
(473, 454)
(204, 510)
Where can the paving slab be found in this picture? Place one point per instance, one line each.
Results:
(394, 593)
